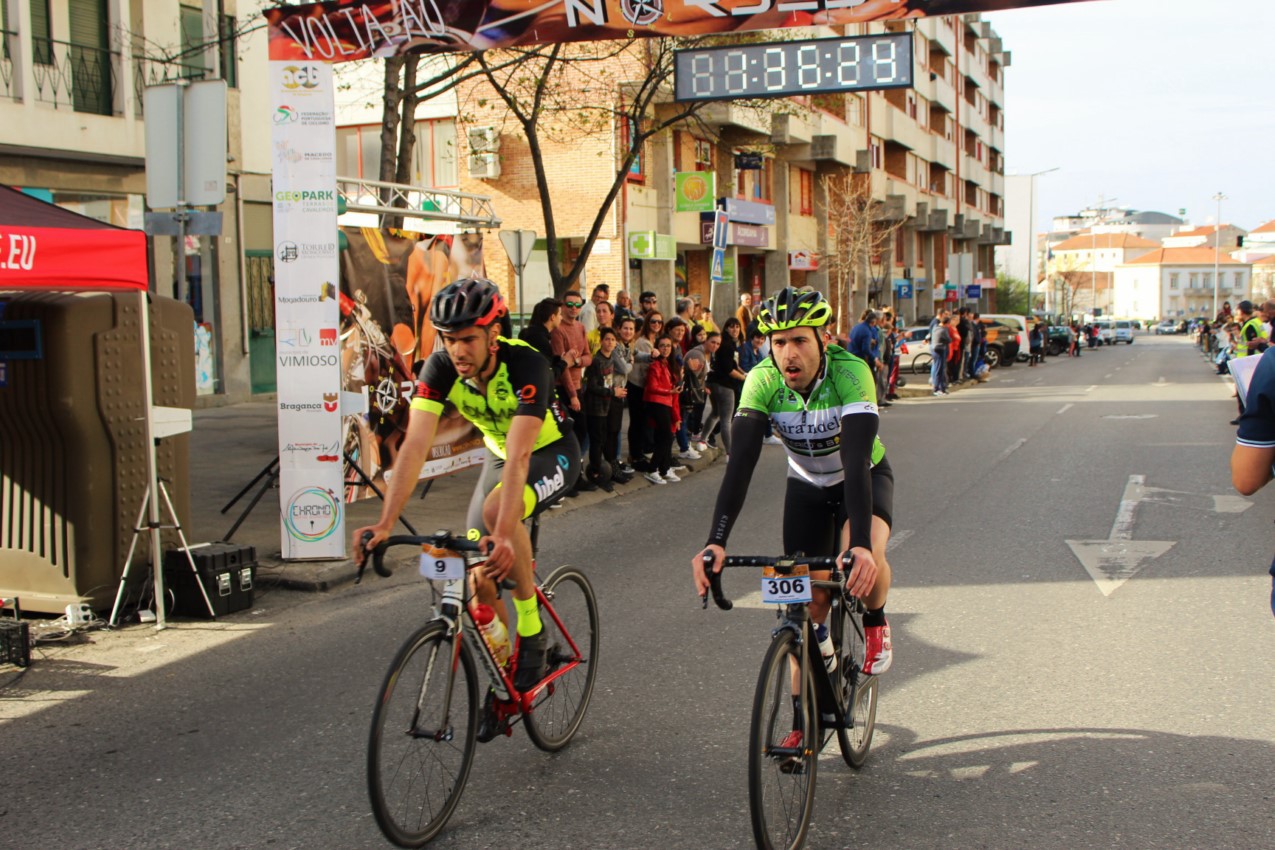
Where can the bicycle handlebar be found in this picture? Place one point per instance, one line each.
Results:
(442, 539)
(715, 577)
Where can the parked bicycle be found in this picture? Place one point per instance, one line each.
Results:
(428, 716)
(799, 703)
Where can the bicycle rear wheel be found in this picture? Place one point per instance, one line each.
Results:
(922, 363)
(781, 771)
(420, 749)
(857, 690)
(560, 706)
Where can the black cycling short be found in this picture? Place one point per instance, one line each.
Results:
(551, 472)
(813, 516)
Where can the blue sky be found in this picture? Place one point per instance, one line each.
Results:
(1158, 104)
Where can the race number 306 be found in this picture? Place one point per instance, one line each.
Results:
(785, 588)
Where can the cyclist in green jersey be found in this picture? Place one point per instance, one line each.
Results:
(821, 401)
(505, 387)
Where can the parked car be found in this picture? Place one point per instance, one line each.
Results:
(1168, 326)
(1003, 342)
(1058, 340)
(1124, 331)
(917, 358)
(1019, 324)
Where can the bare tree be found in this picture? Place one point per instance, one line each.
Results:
(860, 242)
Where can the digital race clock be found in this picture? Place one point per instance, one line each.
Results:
(782, 68)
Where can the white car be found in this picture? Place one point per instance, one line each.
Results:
(1106, 332)
(917, 358)
(1124, 332)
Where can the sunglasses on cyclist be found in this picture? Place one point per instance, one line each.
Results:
(573, 303)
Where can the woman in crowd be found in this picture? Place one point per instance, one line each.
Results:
(662, 411)
(1036, 344)
(605, 315)
(725, 379)
(953, 354)
(640, 442)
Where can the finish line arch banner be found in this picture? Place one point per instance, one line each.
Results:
(345, 30)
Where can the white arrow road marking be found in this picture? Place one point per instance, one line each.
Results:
(1112, 562)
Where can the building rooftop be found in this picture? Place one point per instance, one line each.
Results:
(1185, 257)
(1086, 242)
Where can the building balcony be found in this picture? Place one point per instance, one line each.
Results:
(787, 128)
(893, 125)
(72, 76)
(728, 114)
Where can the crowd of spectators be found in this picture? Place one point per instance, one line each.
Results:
(679, 379)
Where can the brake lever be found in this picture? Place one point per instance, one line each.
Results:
(715, 585)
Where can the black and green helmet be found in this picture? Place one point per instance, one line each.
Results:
(793, 308)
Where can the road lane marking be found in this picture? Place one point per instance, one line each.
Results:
(1112, 562)
(1108, 375)
(1091, 388)
(1065, 408)
(1010, 450)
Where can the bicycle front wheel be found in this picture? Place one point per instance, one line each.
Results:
(572, 628)
(858, 691)
(783, 749)
(422, 741)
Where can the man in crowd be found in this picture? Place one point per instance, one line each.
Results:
(570, 338)
(589, 315)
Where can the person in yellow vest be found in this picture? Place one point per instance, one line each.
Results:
(1254, 338)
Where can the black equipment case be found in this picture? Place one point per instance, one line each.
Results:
(228, 572)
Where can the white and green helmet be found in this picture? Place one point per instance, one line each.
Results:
(793, 308)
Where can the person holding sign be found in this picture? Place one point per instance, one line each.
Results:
(821, 401)
(505, 387)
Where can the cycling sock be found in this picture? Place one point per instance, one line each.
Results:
(874, 618)
(528, 616)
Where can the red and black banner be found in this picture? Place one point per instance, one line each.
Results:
(345, 30)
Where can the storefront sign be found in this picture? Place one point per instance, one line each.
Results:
(973, 291)
(748, 162)
(649, 245)
(986, 282)
(695, 191)
(749, 236)
(749, 212)
(803, 261)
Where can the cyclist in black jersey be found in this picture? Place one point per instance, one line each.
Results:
(505, 387)
(821, 401)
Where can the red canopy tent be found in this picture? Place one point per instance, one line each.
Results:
(52, 250)
(43, 246)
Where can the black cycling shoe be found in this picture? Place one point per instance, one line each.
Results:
(532, 655)
(489, 727)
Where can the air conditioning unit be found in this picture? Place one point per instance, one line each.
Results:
(484, 139)
(484, 166)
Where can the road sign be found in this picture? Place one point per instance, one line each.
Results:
(185, 144)
(518, 245)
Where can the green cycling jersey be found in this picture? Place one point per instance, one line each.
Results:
(810, 426)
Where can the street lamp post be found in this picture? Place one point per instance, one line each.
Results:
(1031, 232)
(1217, 245)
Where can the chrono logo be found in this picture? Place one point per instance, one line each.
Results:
(312, 514)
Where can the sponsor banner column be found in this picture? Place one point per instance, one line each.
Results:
(307, 313)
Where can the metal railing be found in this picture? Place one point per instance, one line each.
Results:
(153, 72)
(8, 84)
(377, 197)
(81, 77)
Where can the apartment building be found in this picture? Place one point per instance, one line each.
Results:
(1179, 283)
(72, 132)
(1086, 263)
(932, 156)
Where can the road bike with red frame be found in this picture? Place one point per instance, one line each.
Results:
(429, 717)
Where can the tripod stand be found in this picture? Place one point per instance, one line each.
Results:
(154, 527)
(270, 472)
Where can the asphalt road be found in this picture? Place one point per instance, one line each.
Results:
(1032, 703)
